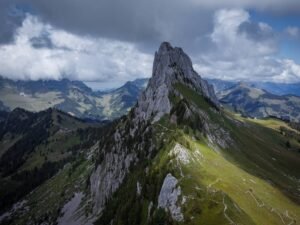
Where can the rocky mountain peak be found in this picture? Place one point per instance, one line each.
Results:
(165, 46)
(171, 65)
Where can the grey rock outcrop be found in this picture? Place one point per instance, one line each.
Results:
(119, 152)
(171, 66)
(108, 177)
(110, 173)
(69, 212)
(168, 197)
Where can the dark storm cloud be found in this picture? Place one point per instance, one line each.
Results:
(256, 31)
(11, 17)
(43, 41)
(145, 23)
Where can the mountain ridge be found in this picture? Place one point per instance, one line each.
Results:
(272, 87)
(254, 102)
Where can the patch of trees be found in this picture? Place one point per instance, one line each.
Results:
(15, 156)
(26, 181)
(35, 130)
(186, 116)
(290, 135)
(126, 207)
(295, 125)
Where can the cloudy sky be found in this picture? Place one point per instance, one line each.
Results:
(111, 41)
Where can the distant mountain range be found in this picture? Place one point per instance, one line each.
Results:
(260, 100)
(274, 88)
(73, 97)
(255, 102)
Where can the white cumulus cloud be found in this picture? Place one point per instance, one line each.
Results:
(293, 31)
(40, 51)
(236, 49)
(244, 50)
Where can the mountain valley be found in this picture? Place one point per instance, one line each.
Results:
(73, 97)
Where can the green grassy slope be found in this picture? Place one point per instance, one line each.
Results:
(254, 180)
(256, 148)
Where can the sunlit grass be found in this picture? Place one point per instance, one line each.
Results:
(258, 199)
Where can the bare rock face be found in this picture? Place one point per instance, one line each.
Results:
(108, 177)
(69, 212)
(110, 173)
(171, 66)
(168, 197)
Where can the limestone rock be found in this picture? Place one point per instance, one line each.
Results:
(168, 197)
(171, 66)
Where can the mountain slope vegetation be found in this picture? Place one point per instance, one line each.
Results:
(34, 146)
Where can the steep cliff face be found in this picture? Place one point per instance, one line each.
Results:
(119, 150)
(135, 134)
(171, 66)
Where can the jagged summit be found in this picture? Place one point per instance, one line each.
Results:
(165, 46)
(171, 65)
